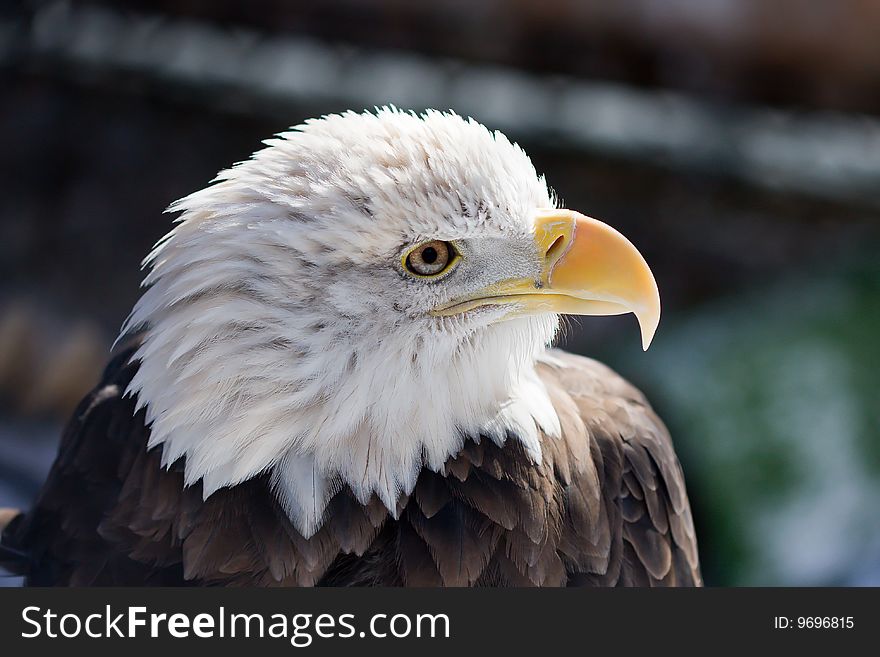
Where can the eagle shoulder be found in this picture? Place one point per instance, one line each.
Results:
(110, 514)
(605, 505)
(641, 487)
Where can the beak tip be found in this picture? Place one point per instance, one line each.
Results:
(648, 325)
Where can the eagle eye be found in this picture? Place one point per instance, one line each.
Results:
(431, 258)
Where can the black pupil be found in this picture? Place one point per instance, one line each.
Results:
(429, 255)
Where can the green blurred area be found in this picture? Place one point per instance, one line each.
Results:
(773, 399)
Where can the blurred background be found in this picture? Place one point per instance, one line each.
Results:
(736, 142)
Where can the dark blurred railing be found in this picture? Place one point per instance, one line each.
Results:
(823, 155)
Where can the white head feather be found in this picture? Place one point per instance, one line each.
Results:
(282, 335)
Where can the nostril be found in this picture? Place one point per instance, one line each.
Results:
(555, 249)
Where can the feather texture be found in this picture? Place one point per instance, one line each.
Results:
(605, 506)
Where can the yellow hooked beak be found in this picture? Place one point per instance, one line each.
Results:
(588, 268)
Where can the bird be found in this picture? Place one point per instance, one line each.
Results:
(341, 372)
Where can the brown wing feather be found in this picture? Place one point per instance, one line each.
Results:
(652, 539)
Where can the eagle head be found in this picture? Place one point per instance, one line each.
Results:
(360, 297)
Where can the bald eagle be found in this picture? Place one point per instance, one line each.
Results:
(339, 373)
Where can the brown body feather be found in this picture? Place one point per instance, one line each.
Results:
(605, 507)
